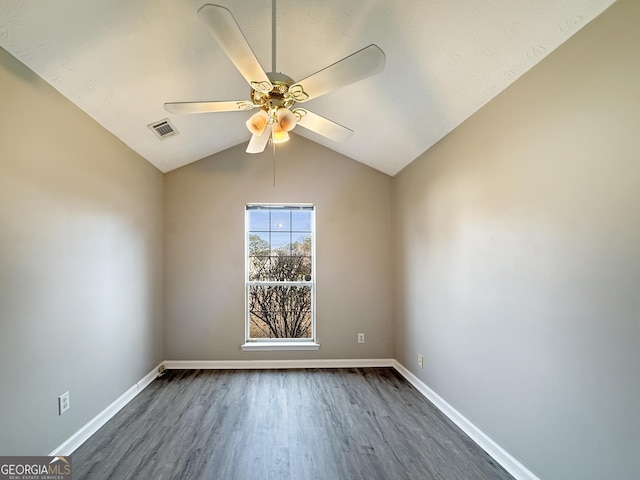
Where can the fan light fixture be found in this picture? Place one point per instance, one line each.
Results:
(286, 119)
(258, 122)
(279, 135)
(280, 118)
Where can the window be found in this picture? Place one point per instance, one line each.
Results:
(280, 277)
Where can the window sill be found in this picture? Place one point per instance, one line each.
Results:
(271, 346)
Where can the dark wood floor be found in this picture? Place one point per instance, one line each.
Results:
(333, 424)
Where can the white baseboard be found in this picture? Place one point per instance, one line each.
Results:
(74, 441)
(500, 455)
(275, 364)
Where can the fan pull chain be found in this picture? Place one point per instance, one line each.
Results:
(274, 163)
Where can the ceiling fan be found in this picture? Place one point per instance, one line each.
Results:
(276, 94)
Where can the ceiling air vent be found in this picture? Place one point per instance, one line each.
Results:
(163, 128)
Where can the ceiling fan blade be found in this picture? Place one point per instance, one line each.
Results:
(357, 66)
(227, 33)
(207, 107)
(258, 143)
(322, 125)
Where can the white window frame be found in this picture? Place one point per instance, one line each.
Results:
(252, 344)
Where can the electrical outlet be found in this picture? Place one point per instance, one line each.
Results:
(63, 403)
(420, 361)
(361, 338)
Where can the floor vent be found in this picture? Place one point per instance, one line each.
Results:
(163, 128)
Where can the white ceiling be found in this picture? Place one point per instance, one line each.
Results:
(120, 60)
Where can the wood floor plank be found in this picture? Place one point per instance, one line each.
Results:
(332, 424)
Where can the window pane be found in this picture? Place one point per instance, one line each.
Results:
(259, 243)
(290, 268)
(259, 220)
(279, 312)
(301, 220)
(301, 242)
(259, 268)
(280, 242)
(281, 220)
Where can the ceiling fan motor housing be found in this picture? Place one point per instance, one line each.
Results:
(278, 97)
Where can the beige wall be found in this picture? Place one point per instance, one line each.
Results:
(205, 250)
(518, 246)
(81, 282)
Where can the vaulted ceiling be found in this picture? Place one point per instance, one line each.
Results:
(121, 60)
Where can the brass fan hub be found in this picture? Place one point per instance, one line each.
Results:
(278, 96)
